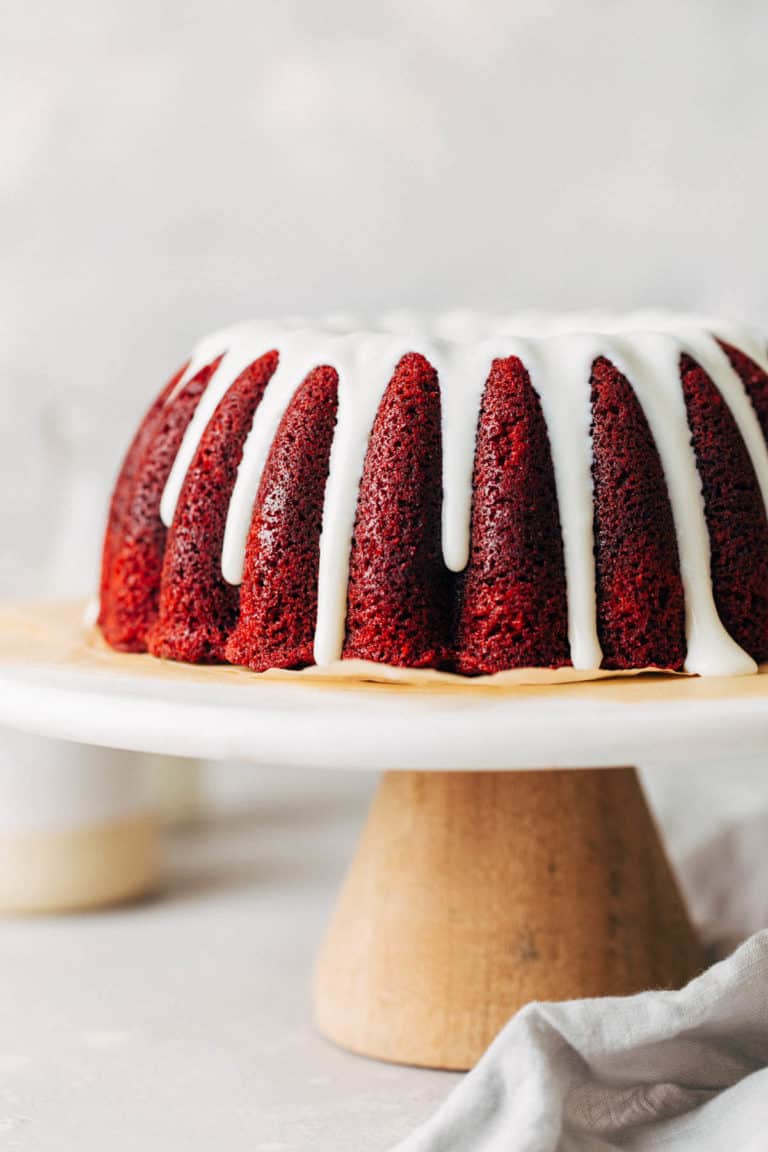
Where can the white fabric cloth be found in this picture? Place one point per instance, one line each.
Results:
(680, 1071)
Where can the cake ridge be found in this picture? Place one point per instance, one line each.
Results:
(558, 353)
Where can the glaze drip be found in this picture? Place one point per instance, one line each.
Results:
(558, 353)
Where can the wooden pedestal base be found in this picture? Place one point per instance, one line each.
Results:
(473, 893)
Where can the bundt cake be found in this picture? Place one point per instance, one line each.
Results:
(468, 494)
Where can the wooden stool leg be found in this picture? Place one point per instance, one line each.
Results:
(473, 893)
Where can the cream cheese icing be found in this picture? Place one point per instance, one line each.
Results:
(558, 352)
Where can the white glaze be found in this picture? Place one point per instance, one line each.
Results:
(652, 365)
(560, 374)
(365, 368)
(297, 358)
(558, 353)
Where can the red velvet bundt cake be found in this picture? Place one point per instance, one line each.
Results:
(468, 494)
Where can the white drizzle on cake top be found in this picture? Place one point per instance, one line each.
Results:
(558, 353)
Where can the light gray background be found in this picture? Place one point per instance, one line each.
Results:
(168, 168)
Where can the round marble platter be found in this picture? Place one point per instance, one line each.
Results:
(58, 679)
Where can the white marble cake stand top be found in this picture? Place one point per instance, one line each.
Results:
(55, 682)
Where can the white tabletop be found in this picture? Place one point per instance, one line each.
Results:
(185, 1023)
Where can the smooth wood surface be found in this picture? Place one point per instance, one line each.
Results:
(474, 893)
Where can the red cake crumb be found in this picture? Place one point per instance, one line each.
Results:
(134, 548)
(738, 529)
(513, 607)
(399, 601)
(122, 492)
(198, 609)
(508, 609)
(755, 382)
(640, 602)
(278, 599)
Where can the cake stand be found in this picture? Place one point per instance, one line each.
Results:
(490, 872)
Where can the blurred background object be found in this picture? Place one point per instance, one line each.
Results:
(77, 826)
(177, 789)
